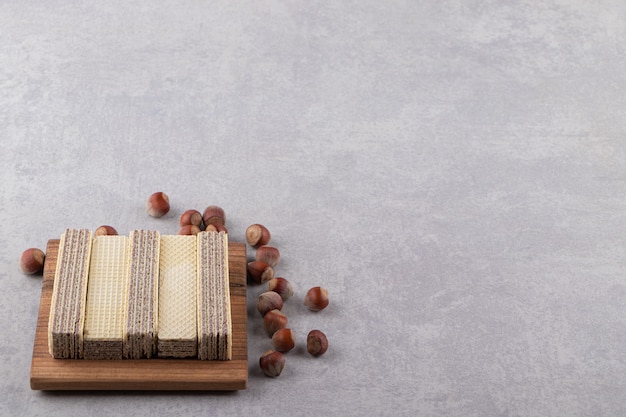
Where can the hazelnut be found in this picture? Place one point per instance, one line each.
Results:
(213, 214)
(158, 204)
(316, 298)
(105, 230)
(274, 320)
(32, 260)
(260, 272)
(281, 286)
(189, 229)
(284, 340)
(269, 301)
(268, 254)
(272, 363)
(316, 343)
(257, 235)
(191, 217)
(216, 227)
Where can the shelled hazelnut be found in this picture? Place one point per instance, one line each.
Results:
(316, 343)
(272, 363)
(158, 204)
(260, 272)
(213, 214)
(274, 320)
(284, 340)
(281, 286)
(32, 260)
(191, 217)
(269, 301)
(189, 229)
(257, 235)
(316, 299)
(105, 230)
(216, 227)
(268, 254)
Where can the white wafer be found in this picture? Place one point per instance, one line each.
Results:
(106, 298)
(67, 309)
(177, 331)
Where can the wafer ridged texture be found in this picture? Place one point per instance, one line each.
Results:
(141, 321)
(177, 332)
(106, 298)
(214, 314)
(67, 311)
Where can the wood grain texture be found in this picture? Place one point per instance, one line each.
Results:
(143, 374)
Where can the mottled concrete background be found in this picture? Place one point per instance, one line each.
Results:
(454, 172)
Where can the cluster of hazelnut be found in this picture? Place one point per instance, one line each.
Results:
(270, 304)
(191, 221)
(158, 205)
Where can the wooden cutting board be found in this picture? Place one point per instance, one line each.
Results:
(147, 374)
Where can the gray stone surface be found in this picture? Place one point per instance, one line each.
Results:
(454, 172)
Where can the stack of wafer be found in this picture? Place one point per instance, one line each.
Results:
(213, 294)
(106, 298)
(67, 311)
(177, 331)
(143, 295)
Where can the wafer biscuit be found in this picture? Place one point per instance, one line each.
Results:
(106, 298)
(213, 297)
(141, 322)
(177, 331)
(67, 310)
